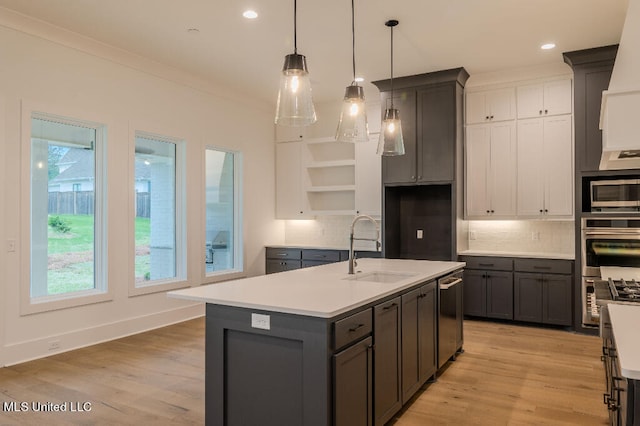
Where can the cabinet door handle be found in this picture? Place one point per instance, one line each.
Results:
(546, 111)
(393, 305)
(492, 117)
(486, 118)
(351, 330)
(540, 112)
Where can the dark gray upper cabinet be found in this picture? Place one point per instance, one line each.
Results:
(430, 107)
(592, 70)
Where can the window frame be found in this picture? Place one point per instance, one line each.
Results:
(238, 251)
(102, 291)
(181, 276)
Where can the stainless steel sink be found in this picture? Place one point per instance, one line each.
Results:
(379, 276)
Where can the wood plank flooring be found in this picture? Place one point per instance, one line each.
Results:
(508, 375)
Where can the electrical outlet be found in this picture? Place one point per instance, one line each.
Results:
(11, 245)
(472, 235)
(261, 321)
(419, 234)
(54, 345)
(535, 235)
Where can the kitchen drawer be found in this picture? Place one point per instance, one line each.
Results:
(549, 266)
(360, 254)
(321, 255)
(309, 263)
(352, 328)
(276, 265)
(283, 253)
(488, 263)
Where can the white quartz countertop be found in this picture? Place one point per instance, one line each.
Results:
(624, 323)
(320, 291)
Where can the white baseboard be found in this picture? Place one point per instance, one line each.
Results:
(39, 348)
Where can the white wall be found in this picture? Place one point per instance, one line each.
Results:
(63, 73)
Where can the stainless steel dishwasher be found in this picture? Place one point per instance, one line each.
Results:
(450, 316)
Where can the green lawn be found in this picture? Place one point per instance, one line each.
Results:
(72, 253)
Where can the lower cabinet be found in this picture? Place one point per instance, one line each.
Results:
(543, 291)
(488, 288)
(531, 290)
(280, 259)
(386, 361)
(419, 331)
(543, 298)
(357, 369)
(353, 385)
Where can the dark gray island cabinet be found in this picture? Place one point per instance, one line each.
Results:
(316, 346)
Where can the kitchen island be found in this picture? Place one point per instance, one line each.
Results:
(296, 348)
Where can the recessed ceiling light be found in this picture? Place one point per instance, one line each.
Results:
(250, 14)
(548, 46)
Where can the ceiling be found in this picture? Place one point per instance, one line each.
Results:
(247, 55)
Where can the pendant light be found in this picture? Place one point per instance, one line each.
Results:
(353, 126)
(391, 142)
(295, 105)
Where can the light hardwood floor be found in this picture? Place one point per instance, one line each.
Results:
(508, 375)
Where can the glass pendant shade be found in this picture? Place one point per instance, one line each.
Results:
(353, 126)
(295, 104)
(391, 142)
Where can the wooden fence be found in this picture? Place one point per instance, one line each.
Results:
(82, 202)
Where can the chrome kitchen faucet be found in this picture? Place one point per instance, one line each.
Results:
(352, 258)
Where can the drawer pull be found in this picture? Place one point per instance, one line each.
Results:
(393, 305)
(351, 330)
(485, 264)
(541, 267)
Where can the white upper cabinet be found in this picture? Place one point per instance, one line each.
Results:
(290, 197)
(490, 105)
(544, 99)
(316, 177)
(545, 167)
(290, 133)
(368, 178)
(490, 157)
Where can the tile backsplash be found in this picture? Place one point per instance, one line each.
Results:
(518, 236)
(522, 236)
(328, 231)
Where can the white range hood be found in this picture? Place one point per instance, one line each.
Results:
(620, 111)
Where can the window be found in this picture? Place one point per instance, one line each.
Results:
(67, 244)
(223, 248)
(159, 254)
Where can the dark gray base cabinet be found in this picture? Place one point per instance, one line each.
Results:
(419, 332)
(355, 369)
(386, 361)
(488, 287)
(532, 290)
(353, 383)
(280, 259)
(543, 298)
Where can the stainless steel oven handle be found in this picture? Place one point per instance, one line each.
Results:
(612, 232)
(447, 285)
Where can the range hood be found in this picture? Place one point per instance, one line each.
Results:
(620, 110)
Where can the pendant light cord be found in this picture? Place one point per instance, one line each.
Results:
(353, 38)
(391, 67)
(295, 26)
